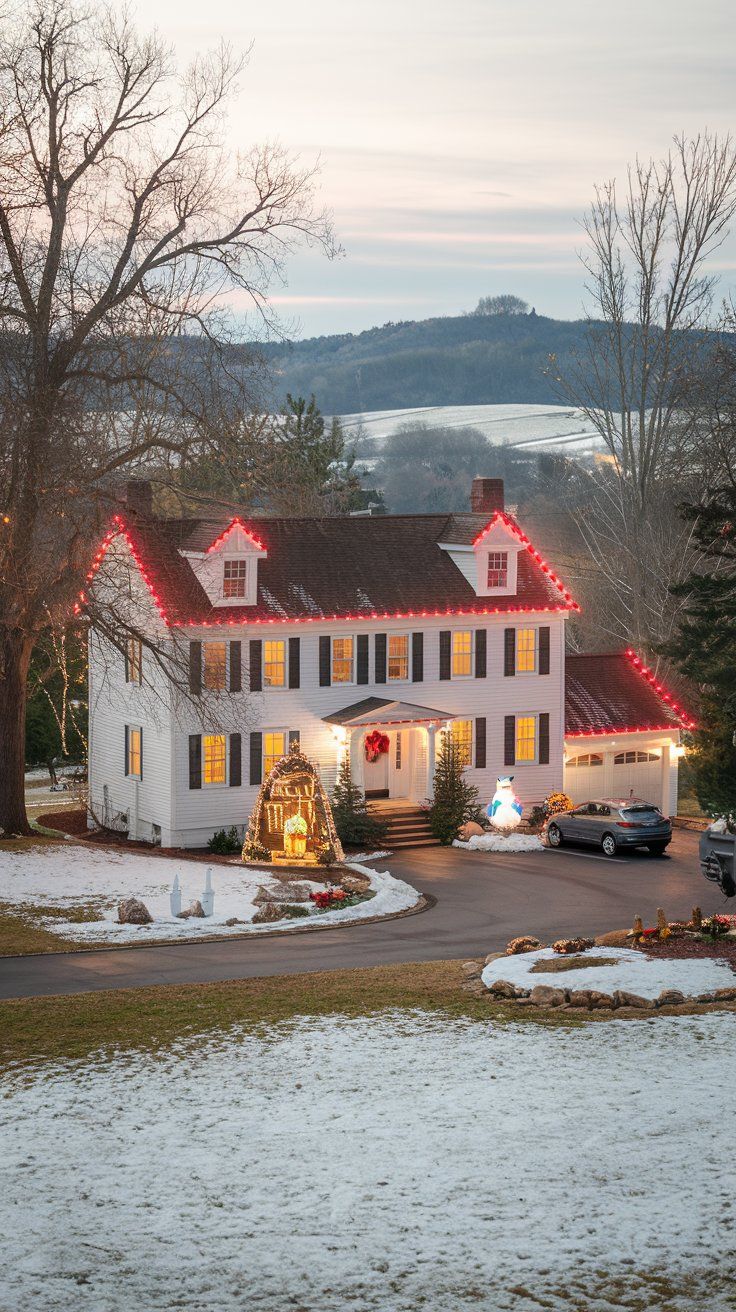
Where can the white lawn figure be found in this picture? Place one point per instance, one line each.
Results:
(208, 897)
(505, 808)
(175, 897)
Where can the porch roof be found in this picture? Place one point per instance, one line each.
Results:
(381, 710)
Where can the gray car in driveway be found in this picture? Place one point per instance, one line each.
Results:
(613, 824)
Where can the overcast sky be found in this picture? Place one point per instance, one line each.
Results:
(461, 139)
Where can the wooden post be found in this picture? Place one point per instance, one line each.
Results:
(638, 926)
(661, 919)
(697, 918)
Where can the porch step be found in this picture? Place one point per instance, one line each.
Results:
(406, 826)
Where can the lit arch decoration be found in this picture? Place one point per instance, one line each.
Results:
(291, 822)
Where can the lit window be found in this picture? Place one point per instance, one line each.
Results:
(235, 577)
(635, 758)
(214, 769)
(591, 758)
(462, 655)
(134, 660)
(498, 569)
(215, 665)
(526, 651)
(274, 747)
(461, 732)
(342, 660)
(135, 753)
(526, 737)
(398, 656)
(274, 664)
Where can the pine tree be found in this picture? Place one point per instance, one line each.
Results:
(455, 800)
(353, 821)
(314, 472)
(705, 651)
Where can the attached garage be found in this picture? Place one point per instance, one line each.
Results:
(638, 772)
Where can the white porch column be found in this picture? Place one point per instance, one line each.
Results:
(664, 804)
(357, 774)
(431, 739)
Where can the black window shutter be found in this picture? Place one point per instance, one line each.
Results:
(361, 665)
(445, 662)
(236, 755)
(256, 757)
(480, 653)
(509, 740)
(544, 738)
(417, 657)
(256, 664)
(195, 667)
(480, 743)
(294, 662)
(544, 650)
(509, 652)
(325, 671)
(236, 664)
(195, 760)
(380, 658)
(127, 758)
(294, 738)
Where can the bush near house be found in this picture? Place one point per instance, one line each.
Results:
(455, 800)
(225, 842)
(353, 821)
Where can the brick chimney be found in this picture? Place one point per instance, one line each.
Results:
(486, 496)
(139, 496)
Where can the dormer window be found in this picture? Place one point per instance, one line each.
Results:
(235, 578)
(498, 569)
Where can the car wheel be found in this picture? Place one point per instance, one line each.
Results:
(608, 843)
(554, 836)
(656, 849)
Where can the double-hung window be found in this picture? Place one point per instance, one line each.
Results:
(461, 732)
(462, 654)
(342, 660)
(498, 569)
(235, 578)
(274, 747)
(526, 651)
(526, 738)
(135, 752)
(134, 660)
(274, 663)
(398, 657)
(214, 666)
(214, 758)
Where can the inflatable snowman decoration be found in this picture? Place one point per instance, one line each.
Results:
(505, 808)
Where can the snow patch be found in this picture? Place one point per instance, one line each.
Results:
(634, 972)
(498, 843)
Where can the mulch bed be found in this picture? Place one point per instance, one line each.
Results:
(682, 948)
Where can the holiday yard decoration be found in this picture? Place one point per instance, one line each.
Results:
(505, 808)
(455, 801)
(292, 819)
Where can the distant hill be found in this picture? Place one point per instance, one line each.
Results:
(470, 360)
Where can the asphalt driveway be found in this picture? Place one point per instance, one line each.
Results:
(481, 902)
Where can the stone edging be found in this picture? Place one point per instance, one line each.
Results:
(551, 997)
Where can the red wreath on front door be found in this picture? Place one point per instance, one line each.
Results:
(376, 744)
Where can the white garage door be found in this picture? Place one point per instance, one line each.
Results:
(640, 772)
(584, 776)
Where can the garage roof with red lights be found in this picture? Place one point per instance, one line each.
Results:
(616, 692)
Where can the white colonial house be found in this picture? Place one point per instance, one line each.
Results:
(332, 632)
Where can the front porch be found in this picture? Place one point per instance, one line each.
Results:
(405, 771)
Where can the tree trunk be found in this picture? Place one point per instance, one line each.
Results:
(15, 657)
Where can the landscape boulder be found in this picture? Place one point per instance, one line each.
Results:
(469, 830)
(670, 998)
(580, 998)
(193, 912)
(503, 988)
(543, 995)
(600, 1001)
(354, 883)
(624, 999)
(526, 943)
(725, 995)
(615, 938)
(133, 912)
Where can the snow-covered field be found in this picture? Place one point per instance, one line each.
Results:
(530, 427)
(388, 1164)
(74, 874)
(633, 972)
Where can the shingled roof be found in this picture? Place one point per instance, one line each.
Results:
(615, 692)
(343, 567)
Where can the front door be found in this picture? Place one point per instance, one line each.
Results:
(376, 776)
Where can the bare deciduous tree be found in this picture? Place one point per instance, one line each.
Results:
(651, 295)
(123, 221)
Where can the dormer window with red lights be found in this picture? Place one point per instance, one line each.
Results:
(235, 578)
(498, 569)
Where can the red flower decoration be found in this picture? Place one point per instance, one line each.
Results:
(376, 744)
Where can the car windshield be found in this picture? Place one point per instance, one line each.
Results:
(644, 808)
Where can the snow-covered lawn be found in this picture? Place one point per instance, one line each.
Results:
(381, 1164)
(71, 875)
(633, 972)
(498, 843)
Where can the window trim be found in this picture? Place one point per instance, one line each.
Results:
(396, 633)
(497, 587)
(527, 715)
(453, 675)
(344, 683)
(132, 774)
(526, 628)
(135, 663)
(236, 596)
(275, 687)
(264, 735)
(207, 645)
(216, 783)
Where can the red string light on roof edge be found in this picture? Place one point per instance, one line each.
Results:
(524, 540)
(119, 529)
(611, 733)
(651, 678)
(248, 620)
(237, 522)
